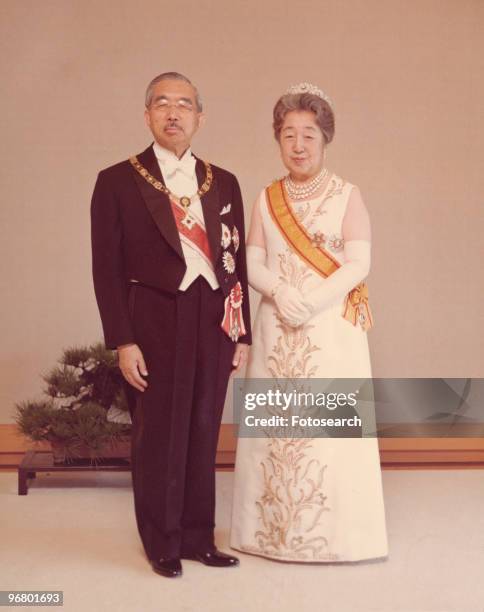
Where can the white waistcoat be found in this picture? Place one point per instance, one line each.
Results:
(183, 182)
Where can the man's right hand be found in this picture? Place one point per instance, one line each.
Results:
(132, 365)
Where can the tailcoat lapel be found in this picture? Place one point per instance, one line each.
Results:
(158, 202)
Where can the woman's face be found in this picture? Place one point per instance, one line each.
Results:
(302, 145)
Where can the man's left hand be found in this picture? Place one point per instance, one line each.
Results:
(240, 357)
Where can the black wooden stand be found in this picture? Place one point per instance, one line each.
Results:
(35, 461)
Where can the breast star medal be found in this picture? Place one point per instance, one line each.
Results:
(226, 236)
(236, 238)
(318, 239)
(228, 262)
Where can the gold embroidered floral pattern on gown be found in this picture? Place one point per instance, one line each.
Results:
(293, 504)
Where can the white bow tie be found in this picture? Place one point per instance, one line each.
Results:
(185, 165)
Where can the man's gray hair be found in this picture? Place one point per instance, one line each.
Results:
(171, 76)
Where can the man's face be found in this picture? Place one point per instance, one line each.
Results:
(172, 116)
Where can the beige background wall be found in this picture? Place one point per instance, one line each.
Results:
(406, 78)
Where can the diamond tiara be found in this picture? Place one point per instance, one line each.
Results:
(309, 88)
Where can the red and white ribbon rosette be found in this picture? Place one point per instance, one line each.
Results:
(233, 321)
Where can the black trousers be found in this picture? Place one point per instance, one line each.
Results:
(176, 420)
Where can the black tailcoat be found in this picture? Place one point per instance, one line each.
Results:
(134, 236)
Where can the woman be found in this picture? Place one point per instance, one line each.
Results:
(309, 499)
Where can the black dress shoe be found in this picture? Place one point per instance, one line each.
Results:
(214, 558)
(171, 568)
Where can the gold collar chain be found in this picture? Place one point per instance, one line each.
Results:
(185, 201)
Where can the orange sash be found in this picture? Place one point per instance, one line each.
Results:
(356, 307)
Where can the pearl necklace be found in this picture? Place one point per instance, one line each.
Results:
(305, 190)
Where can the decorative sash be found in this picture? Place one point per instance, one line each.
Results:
(192, 233)
(356, 308)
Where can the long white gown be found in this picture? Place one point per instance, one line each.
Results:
(308, 499)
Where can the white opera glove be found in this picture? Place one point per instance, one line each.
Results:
(289, 300)
(260, 277)
(290, 304)
(344, 279)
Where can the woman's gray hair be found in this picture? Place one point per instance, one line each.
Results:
(323, 112)
(171, 76)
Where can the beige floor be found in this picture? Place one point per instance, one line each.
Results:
(78, 535)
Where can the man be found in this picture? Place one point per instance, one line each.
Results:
(170, 277)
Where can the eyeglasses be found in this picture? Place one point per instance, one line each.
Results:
(180, 105)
